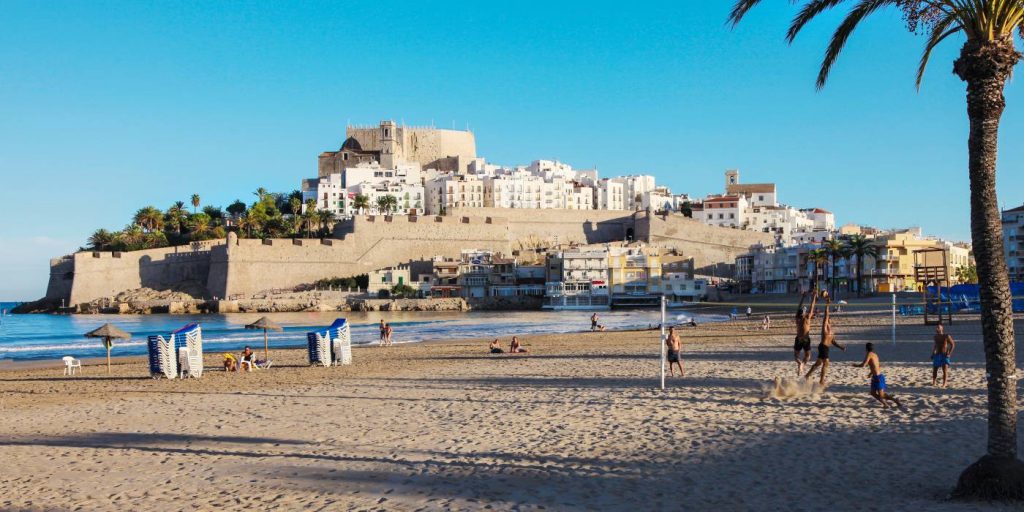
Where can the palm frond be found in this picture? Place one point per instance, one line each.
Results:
(940, 31)
(809, 11)
(740, 10)
(861, 11)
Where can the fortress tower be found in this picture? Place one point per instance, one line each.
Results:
(389, 143)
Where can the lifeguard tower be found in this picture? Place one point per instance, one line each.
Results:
(931, 269)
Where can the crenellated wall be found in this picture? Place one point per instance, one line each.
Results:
(243, 267)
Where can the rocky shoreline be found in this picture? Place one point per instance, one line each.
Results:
(146, 302)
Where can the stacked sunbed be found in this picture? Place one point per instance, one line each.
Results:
(178, 355)
(332, 346)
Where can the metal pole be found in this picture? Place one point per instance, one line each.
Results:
(894, 319)
(662, 342)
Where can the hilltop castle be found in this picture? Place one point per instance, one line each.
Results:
(389, 143)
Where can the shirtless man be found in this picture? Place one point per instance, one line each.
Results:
(803, 332)
(942, 350)
(593, 322)
(828, 339)
(673, 345)
(878, 388)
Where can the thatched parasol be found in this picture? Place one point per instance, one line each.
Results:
(267, 325)
(108, 333)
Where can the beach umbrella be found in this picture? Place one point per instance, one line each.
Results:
(267, 325)
(108, 333)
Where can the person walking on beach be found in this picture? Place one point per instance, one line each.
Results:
(593, 322)
(750, 311)
(828, 339)
(802, 342)
(388, 331)
(766, 323)
(383, 332)
(878, 387)
(673, 345)
(942, 350)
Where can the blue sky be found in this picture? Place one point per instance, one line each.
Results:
(106, 107)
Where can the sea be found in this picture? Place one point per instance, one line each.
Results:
(41, 337)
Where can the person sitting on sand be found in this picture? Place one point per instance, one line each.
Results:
(828, 339)
(673, 345)
(942, 350)
(495, 348)
(878, 387)
(802, 343)
(230, 363)
(516, 347)
(248, 358)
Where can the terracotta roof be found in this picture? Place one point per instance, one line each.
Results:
(819, 210)
(750, 188)
(721, 199)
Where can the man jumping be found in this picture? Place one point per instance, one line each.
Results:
(828, 339)
(803, 333)
(878, 387)
(942, 350)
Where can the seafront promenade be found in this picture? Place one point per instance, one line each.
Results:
(576, 424)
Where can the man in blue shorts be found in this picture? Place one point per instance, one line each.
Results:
(878, 386)
(942, 350)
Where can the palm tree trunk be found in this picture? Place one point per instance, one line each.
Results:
(108, 357)
(999, 474)
(860, 274)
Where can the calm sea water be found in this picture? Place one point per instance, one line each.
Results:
(34, 337)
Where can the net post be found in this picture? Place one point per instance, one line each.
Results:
(662, 342)
(894, 319)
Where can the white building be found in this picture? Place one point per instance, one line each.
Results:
(634, 188)
(388, 278)
(329, 195)
(409, 199)
(609, 195)
(679, 287)
(373, 173)
(723, 211)
(577, 280)
(453, 191)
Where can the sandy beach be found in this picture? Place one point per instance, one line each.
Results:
(578, 424)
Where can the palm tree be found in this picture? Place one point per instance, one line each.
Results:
(820, 258)
(101, 240)
(295, 203)
(986, 61)
(195, 203)
(245, 223)
(861, 247)
(309, 216)
(149, 218)
(361, 203)
(176, 216)
(326, 220)
(261, 193)
(835, 249)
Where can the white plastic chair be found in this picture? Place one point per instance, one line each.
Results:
(70, 364)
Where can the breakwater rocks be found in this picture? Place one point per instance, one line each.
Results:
(175, 303)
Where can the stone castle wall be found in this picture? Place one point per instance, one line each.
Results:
(243, 267)
(104, 274)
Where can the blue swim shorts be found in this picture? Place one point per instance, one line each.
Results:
(878, 383)
(940, 360)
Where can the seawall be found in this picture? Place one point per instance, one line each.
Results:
(241, 268)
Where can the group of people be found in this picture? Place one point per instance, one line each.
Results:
(385, 333)
(515, 347)
(942, 349)
(247, 362)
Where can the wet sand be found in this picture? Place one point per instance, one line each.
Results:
(577, 424)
